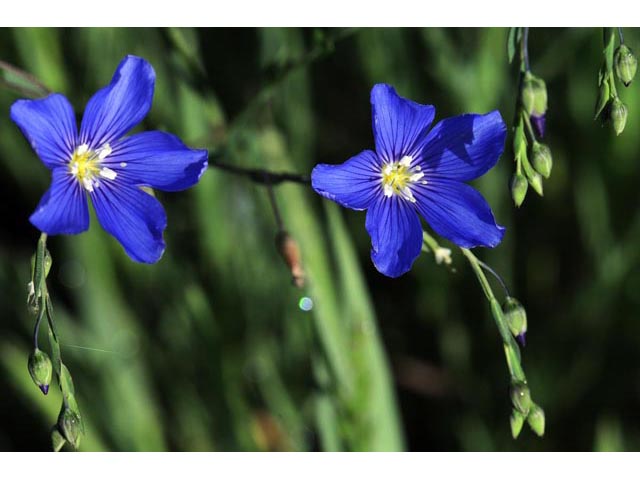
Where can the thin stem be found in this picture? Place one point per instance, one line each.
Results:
(525, 48)
(36, 329)
(25, 75)
(496, 276)
(274, 207)
(620, 36)
(261, 176)
(527, 122)
(477, 269)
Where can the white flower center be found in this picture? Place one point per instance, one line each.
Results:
(85, 166)
(398, 178)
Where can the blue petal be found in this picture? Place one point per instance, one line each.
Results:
(50, 126)
(465, 147)
(157, 159)
(121, 105)
(135, 218)
(63, 208)
(459, 213)
(352, 184)
(396, 235)
(399, 125)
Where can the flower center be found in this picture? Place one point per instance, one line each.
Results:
(398, 178)
(85, 166)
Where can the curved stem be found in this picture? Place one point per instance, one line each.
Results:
(264, 177)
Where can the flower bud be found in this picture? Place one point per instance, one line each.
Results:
(618, 115)
(625, 63)
(70, 426)
(516, 317)
(521, 397)
(40, 369)
(534, 95)
(535, 180)
(542, 160)
(536, 419)
(290, 252)
(519, 186)
(517, 421)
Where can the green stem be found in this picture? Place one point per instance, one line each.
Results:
(511, 350)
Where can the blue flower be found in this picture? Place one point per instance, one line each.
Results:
(100, 163)
(416, 171)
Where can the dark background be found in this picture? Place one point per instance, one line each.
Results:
(209, 350)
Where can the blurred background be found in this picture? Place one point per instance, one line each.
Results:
(214, 349)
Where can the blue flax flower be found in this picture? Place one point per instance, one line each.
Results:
(418, 171)
(100, 163)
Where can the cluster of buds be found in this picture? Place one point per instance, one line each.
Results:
(620, 63)
(533, 158)
(525, 409)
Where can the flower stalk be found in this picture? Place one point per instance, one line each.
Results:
(40, 366)
(520, 394)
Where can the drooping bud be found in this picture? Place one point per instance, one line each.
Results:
(517, 421)
(535, 180)
(536, 419)
(521, 397)
(618, 115)
(519, 186)
(542, 160)
(40, 369)
(290, 252)
(516, 317)
(534, 95)
(70, 426)
(626, 64)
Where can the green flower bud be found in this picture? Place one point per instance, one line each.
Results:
(534, 95)
(519, 186)
(542, 160)
(625, 63)
(618, 115)
(603, 98)
(57, 440)
(535, 180)
(516, 317)
(521, 397)
(70, 426)
(40, 369)
(536, 419)
(517, 421)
